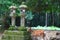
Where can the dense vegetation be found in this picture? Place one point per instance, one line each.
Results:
(46, 12)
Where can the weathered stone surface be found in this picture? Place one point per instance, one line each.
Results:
(49, 34)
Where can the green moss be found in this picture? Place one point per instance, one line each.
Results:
(22, 29)
(12, 28)
(17, 35)
(9, 32)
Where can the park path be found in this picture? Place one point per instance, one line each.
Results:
(1, 34)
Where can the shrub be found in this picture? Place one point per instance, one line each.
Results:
(12, 28)
(22, 29)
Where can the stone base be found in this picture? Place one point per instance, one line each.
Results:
(14, 35)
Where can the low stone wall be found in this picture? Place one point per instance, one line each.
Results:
(48, 35)
(15, 35)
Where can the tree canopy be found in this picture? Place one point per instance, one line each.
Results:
(38, 7)
(34, 5)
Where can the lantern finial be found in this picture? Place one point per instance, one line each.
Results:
(23, 5)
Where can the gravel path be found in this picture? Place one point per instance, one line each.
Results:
(1, 34)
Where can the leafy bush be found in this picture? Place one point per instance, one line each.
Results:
(12, 28)
(22, 29)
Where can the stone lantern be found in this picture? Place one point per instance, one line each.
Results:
(22, 13)
(12, 14)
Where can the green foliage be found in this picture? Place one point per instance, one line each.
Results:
(12, 28)
(32, 4)
(22, 29)
(17, 28)
(38, 6)
(29, 15)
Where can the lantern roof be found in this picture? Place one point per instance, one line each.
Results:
(12, 7)
(23, 5)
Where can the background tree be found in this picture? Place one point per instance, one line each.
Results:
(39, 9)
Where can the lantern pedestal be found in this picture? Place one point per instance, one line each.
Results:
(13, 21)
